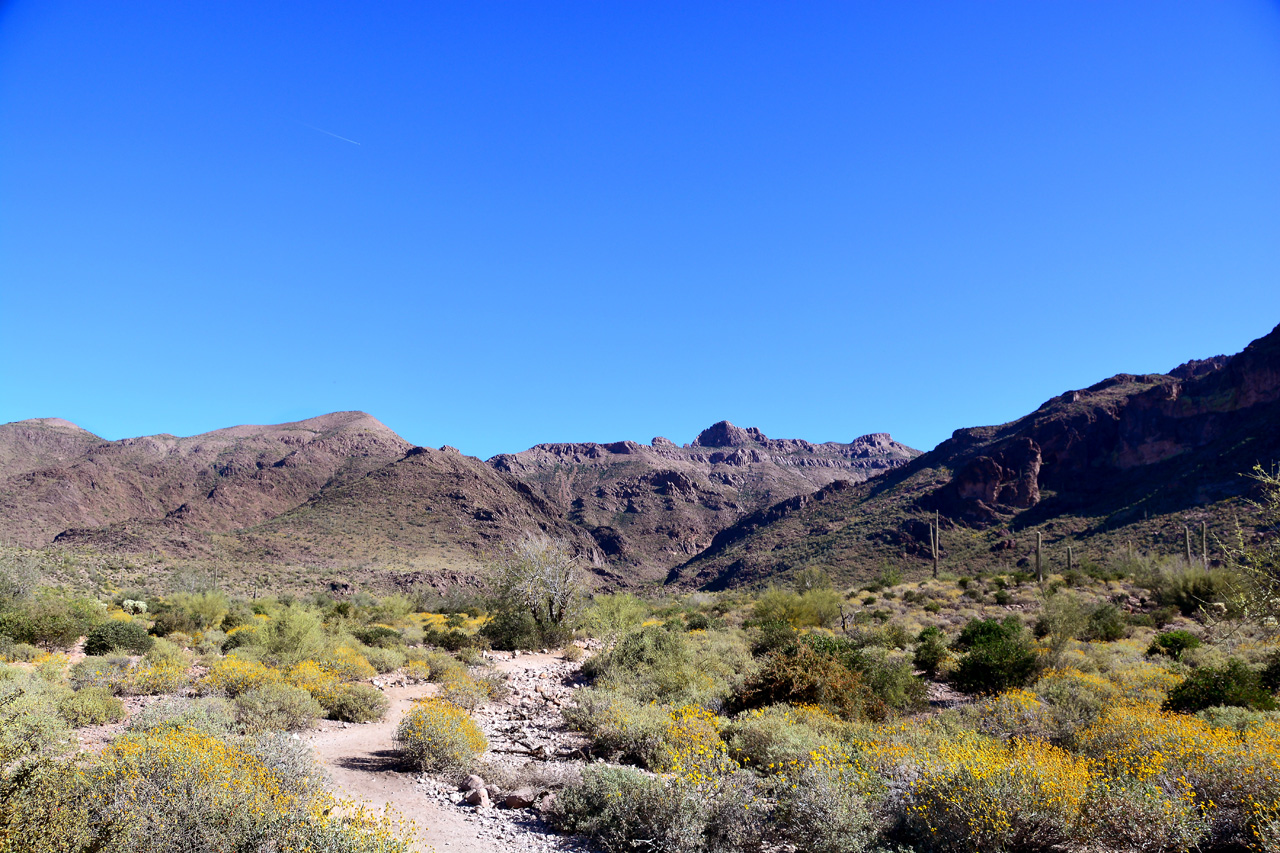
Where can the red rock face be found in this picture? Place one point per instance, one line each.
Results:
(1078, 443)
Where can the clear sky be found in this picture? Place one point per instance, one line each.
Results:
(497, 224)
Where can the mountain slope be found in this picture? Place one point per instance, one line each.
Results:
(220, 480)
(650, 507)
(1126, 462)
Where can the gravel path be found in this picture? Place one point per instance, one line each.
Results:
(527, 747)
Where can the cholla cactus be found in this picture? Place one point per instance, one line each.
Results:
(133, 608)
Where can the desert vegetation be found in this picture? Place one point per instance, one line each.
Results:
(1130, 709)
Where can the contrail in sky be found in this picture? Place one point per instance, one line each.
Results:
(334, 135)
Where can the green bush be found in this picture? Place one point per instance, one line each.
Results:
(1173, 644)
(801, 675)
(355, 703)
(19, 652)
(117, 635)
(508, 629)
(276, 707)
(931, 650)
(778, 736)
(623, 810)
(620, 728)
(1105, 623)
(29, 724)
(998, 656)
(51, 619)
(211, 716)
(92, 706)
(611, 616)
(108, 673)
(820, 810)
(378, 635)
(437, 735)
(383, 659)
(1233, 685)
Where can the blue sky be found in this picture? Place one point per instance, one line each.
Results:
(493, 225)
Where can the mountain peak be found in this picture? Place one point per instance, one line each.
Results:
(725, 434)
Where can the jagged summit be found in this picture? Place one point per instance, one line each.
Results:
(725, 434)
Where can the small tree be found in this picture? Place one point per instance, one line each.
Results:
(1258, 562)
(539, 579)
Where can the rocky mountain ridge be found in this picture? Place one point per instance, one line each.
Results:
(343, 490)
(1129, 459)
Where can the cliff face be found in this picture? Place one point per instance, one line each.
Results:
(1137, 456)
(1081, 444)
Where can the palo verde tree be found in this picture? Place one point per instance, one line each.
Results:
(1256, 559)
(537, 586)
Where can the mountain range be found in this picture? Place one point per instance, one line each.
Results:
(1129, 462)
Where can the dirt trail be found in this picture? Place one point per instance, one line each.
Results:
(364, 766)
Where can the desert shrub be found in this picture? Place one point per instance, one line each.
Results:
(656, 664)
(438, 736)
(109, 673)
(572, 653)
(652, 663)
(998, 656)
(779, 736)
(117, 635)
(310, 677)
(51, 619)
(383, 659)
(1195, 764)
(378, 635)
(464, 692)
(984, 794)
(203, 610)
(355, 703)
(347, 664)
(276, 707)
(295, 634)
(817, 607)
(232, 676)
(617, 807)
(611, 616)
(820, 808)
(1192, 588)
(691, 745)
(619, 726)
(1240, 720)
(161, 670)
(508, 629)
(92, 706)
(801, 675)
(439, 666)
(42, 808)
(176, 789)
(1173, 644)
(1072, 700)
(241, 636)
(931, 650)
(1106, 622)
(210, 715)
(29, 722)
(1234, 684)
(19, 652)
(455, 640)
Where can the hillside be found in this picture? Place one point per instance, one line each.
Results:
(653, 506)
(109, 493)
(343, 497)
(1122, 465)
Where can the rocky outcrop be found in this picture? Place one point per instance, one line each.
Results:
(1125, 451)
